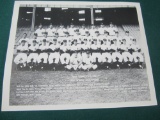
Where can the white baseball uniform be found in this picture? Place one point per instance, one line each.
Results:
(55, 55)
(125, 54)
(75, 62)
(39, 32)
(65, 57)
(50, 32)
(137, 56)
(128, 39)
(106, 57)
(33, 56)
(112, 30)
(96, 55)
(43, 55)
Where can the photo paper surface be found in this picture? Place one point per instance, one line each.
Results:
(77, 55)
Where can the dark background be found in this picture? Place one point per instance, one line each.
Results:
(151, 16)
(118, 16)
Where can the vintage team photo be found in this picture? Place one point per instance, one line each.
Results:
(73, 54)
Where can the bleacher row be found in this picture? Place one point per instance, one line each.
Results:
(134, 31)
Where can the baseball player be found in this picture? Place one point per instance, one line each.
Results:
(112, 29)
(118, 38)
(54, 56)
(68, 38)
(48, 40)
(30, 41)
(75, 62)
(87, 62)
(106, 36)
(23, 38)
(50, 31)
(65, 55)
(127, 57)
(83, 30)
(77, 36)
(96, 54)
(92, 30)
(98, 37)
(137, 55)
(101, 29)
(75, 48)
(86, 37)
(43, 56)
(128, 38)
(106, 56)
(32, 58)
(40, 31)
(71, 30)
(61, 31)
(116, 56)
(85, 47)
(21, 58)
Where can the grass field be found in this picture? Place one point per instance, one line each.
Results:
(64, 87)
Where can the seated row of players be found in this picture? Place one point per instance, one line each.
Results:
(89, 54)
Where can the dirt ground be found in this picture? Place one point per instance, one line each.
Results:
(64, 87)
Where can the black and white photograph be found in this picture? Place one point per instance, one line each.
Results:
(77, 55)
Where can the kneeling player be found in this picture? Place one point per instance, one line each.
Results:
(87, 63)
(43, 56)
(55, 55)
(32, 58)
(75, 62)
(21, 58)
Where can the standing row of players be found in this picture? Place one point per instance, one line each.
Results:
(86, 53)
(74, 30)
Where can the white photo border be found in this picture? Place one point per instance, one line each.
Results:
(9, 58)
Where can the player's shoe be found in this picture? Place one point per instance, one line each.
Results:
(140, 66)
(118, 66)
(53, 68)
